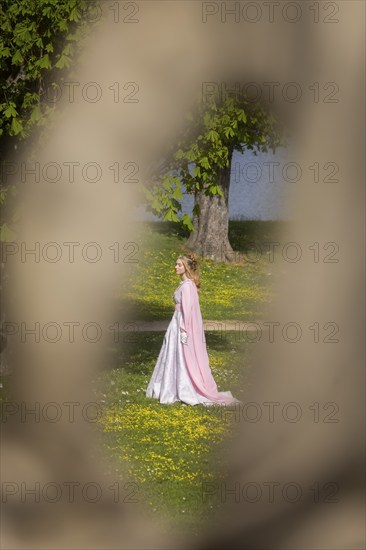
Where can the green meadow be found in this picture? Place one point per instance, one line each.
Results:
(173, 452)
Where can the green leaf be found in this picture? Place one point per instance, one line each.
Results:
(168, 216)
(242, 116)
(44, 62)
(64, 61)
(29, 99)
(167, 184)
(229, 132)
(16, 127)
(177, 194)
(17, 58)
(68, 49)
(213, 136)
(10, 111)
(4, 52)
(6, 234)
(63, 25)
(204, 162)
(36, 114)
(186, 220)
(74, 15)
(156, 205)
(197, 172)
(191, 155)
(21, 33)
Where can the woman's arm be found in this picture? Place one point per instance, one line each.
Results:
(186, 318)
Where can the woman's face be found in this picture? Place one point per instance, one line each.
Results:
(179, 267)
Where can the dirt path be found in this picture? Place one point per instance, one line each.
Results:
(152, 326)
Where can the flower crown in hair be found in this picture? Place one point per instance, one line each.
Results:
(192, 260)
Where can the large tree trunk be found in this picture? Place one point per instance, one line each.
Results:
(210, 238)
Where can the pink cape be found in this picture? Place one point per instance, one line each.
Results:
(194, 350)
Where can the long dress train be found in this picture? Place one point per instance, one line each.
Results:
(182, 371)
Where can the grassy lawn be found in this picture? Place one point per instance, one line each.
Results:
(172, 450)
(238, 292)
(169, 450)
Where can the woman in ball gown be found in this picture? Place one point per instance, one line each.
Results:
(182, 371)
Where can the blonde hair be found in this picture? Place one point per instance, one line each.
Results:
(190, 262)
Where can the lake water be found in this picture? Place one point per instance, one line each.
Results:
(261, 188)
